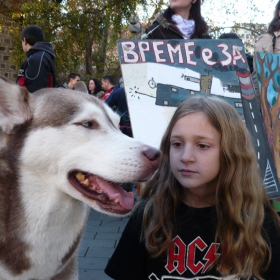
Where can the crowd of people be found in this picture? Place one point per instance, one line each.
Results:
(207, 192)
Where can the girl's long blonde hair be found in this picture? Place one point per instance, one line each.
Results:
(240, 200)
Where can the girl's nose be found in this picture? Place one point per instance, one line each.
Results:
(188, 154)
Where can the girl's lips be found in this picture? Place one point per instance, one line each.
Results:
(187, 171)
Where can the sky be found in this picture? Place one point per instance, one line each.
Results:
(216, 11)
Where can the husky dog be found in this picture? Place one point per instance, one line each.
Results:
(61, 152)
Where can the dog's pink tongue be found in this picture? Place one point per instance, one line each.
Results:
(115, 193)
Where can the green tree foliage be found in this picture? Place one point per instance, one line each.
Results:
(83, 32)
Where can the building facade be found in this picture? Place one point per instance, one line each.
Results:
(7, 69)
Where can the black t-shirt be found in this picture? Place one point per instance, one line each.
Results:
(193, 250)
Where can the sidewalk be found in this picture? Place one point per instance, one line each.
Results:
(98, 244)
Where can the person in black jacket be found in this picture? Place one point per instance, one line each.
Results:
(117, 101)
(181, 20)
(38, 70)
(73, 79)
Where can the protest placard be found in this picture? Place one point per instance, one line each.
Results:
(160, 74)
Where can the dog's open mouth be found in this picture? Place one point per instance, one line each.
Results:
(109, 196)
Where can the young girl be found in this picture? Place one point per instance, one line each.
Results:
(205, 213)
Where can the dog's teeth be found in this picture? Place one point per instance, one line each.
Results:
(86, 182)
(94, 188)
(116, 200)
(80, 176)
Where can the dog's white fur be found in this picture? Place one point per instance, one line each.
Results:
(43, 137)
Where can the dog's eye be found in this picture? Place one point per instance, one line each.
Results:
(90, 124)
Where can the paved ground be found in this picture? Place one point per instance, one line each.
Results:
(99, 241)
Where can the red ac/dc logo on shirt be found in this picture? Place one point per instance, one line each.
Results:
(182, 257)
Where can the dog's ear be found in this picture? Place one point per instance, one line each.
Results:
(115, 118)
(14, 106)
(81, 86)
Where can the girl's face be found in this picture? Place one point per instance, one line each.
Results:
(91, 85)
(195, 157)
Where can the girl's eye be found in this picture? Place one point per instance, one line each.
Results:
(203, 146)
(176, 144)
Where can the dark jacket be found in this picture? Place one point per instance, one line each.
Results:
(64, 85)
(99, 94)
(162, 28)
(250, 62)
(117, 99)
(38, 69)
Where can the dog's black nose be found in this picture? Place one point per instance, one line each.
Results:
(153, 154)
